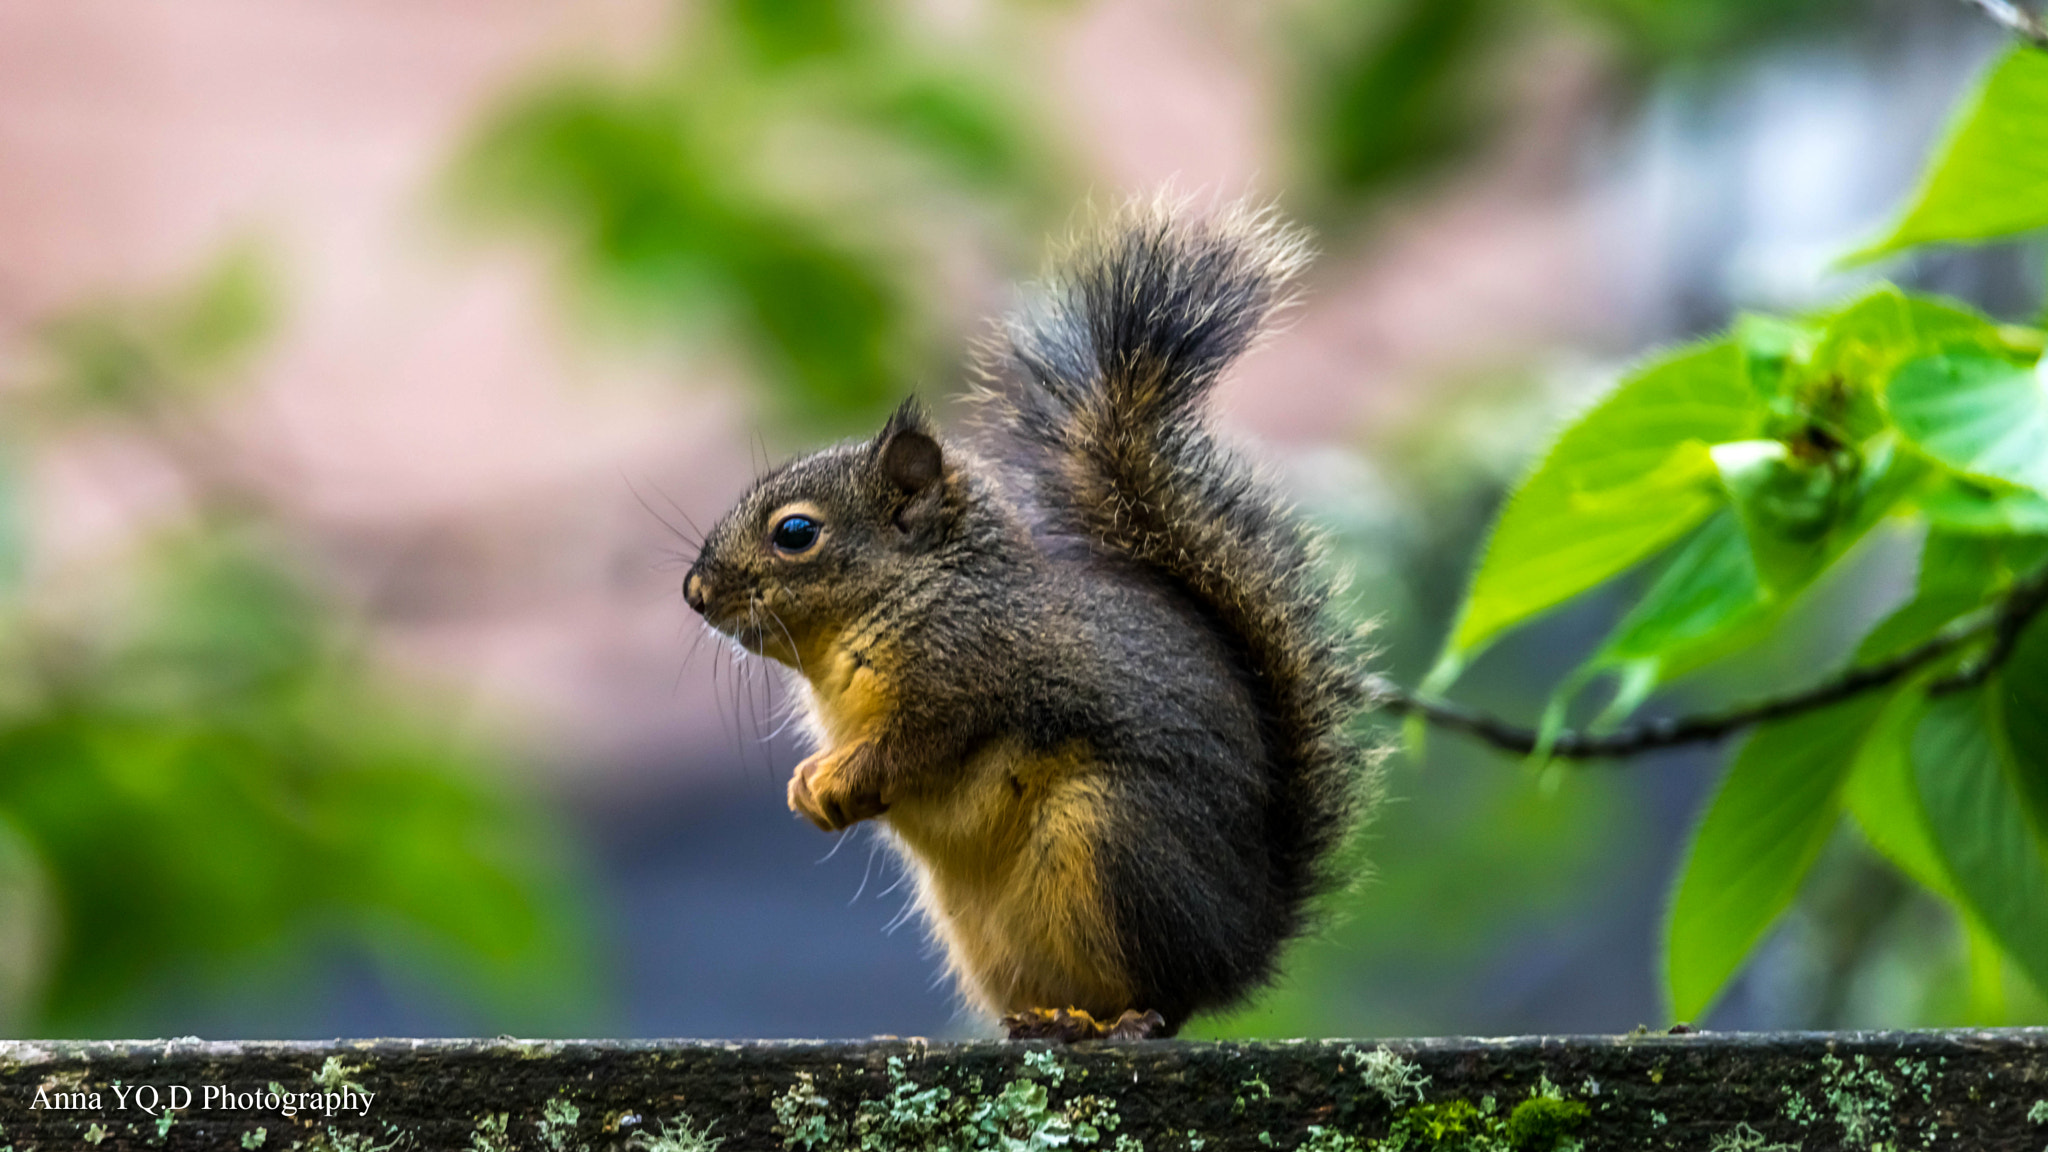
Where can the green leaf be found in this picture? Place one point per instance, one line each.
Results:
(1624, 481)
(1807, 460)
(1977, 413)
(1828, 472)
(1786, 505)
(1914, 623)
(1973, 566)
(1710, 583)
(1803, 514)
(1772, 348)
(2022, 688)
(1885, 800)
(1868, 338)
(1713, 598)
(1881, 792)
(1991, 177)
(1765, 828)
(1707, 599)
(1965, 506)
(1968, 783)
(1957, 574)
(1985, 965)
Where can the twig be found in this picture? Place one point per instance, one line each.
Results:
(2015, 19)
(2021, 604)
(2004, 621)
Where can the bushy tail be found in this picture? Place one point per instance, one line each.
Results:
(1112, 368)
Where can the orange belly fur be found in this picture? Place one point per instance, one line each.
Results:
(1005, 864)
(1003, 852)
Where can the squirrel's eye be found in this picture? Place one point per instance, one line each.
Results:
(794, 534)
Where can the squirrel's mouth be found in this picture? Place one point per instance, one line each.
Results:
(742, 616)
(748, 632)
(752, 636)
(754, 628)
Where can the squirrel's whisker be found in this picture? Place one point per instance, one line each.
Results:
(794, 654)
(718, 694)
(749, 690)
(790, 714)
(866, 871)
(902, 874)
(901, 918)
(695, 531)
(838, 842)
(787, 705)
(694, 541)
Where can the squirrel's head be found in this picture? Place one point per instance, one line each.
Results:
(820, 541)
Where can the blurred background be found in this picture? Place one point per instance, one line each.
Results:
(362, 366)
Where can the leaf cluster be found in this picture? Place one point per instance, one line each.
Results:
(1733, 474)
(745, 187)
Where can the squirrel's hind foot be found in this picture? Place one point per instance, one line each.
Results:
(1070, 1025)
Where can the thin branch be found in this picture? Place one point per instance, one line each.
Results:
(2014, 19)
(2021, 604)
(2003, 621)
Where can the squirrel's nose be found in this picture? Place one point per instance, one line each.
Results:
(696, 590)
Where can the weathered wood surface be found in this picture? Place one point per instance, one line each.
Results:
(1976, 1090)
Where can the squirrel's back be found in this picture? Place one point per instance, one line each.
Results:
(1101, 383)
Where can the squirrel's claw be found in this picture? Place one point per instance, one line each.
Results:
(823, 791)
(1069, 1025)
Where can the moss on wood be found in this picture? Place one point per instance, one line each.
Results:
(1985, 1090)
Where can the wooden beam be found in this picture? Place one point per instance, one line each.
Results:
(1984, 1091)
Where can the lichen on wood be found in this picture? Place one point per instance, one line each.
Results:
(1781, 1092)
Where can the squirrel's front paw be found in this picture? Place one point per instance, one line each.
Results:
(827, 789)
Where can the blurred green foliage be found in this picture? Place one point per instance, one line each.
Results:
(139, 355)
(1394, 87)
(195, 766)
(1657, 34)
(771, 179)
(1389, 91)
(774, 180)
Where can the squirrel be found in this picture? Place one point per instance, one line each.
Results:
(1086, 681)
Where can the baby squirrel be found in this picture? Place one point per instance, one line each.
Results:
(1085, 682)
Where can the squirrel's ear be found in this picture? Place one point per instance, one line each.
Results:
(907, 452)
